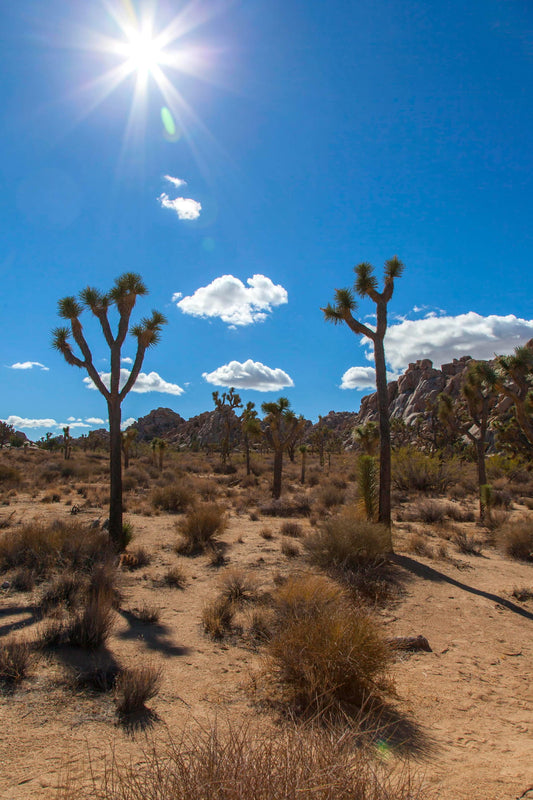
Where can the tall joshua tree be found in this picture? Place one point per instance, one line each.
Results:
(515, 381)
(342, 311)
(123, 296)
(251, 429)
(226, 405)
(280, 424)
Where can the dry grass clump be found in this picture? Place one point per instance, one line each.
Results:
(516, 539)
(217, 616)
(522, 594)
(238, 763)
(324, 652)
(134, 687)
(199, 527)
(9, 475)
(346, 541)
(146, 613)
(136, 558)
(175, 578)
(289, 549)
(238, 587)
(291, 528)
(469, 545)
(207, 489)
(297, 506)
(89, 626)
(15, 660)
(64, 592)
(331, 495)
(418, 544)
(60, 545)
(266, 534)
(175, 497)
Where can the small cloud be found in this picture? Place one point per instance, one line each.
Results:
(234, 303)
(127, 423)
(95, 421)
(24, 422)
(73, 425)
(146, 382)
(176, 296)
(71, 419)
(177, 182)
(29, 365)
(126, 360)
(249, 375)
(185, 207)
(362, 378)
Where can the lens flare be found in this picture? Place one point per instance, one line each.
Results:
(168, 122)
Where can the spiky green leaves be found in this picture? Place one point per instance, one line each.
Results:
(148, 331)
(394, 268)
(344, 304)
(69, 308)
(128, 284)
(94, 299)
(365, 281)
(60, 341)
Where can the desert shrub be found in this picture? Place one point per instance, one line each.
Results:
(291, 528)
(238, 587)
(516, 539)
(347, 541)
(297, 506)
(418, 544)
(134, 687)
(459, 514)
(24, 580)
(330, 495)
(313, 477)
(467, 544)
(239, 763)
(136, 477)
(266, 533)
(59, 545)
(522, 594)
(9, 475)
(224, 469)
(289, 549)
(207, 489)
(175, 578)
(217, 616)
(414, 470)
(136, 558)
(64, 591)
(429, 511)
(249, 481)
(15, 660)
(324, 651)
(199, 527)
(147, 614)
(97, 678)
(175, 497)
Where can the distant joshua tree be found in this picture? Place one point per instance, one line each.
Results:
(226, 404)
(342, 311)
(280, 425)
(67, 442)
(251, 429)
(123, 296)
(515, 381)
(128, 437)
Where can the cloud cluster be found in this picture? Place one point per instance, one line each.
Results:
(184, 207)
(29, 365)
(359, 378)
(249, 375)
(24, 422)
(146, 382)
(443, 338)
(234, 303)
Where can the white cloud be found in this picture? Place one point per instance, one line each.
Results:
(126, 360)
(229, 299)
(146, 382)
(185, 207)
(95, 421)
(71, 419)
(176, 296)
(177, 182)
(249, 375)
(362, 378)
(444, 338)
(73, 425)
(127, 423)
(28, 365)
(24, 422)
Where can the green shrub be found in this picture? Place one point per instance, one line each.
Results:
(414, 470)
(348, 542)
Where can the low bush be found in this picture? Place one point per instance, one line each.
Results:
(522, 594)
(516, 539)
(15, 660)
(217, 616)
(175, 578)
(238, 763)
(199, 528)
(414, 470)
(176, 497)
(291, 528)
(237, 587)
(418, 544)
(467, 544)
(330, 495)
(134, 687)
(297, 506)
(147, 614)
(64, 591)
(324, 651)
(289, 549)
(347, 541)
(9, 475)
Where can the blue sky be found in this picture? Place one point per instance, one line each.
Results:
(310, 136)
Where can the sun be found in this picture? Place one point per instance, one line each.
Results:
(143, 52)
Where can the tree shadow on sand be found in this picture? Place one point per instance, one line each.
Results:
(154, 636)
(431, 574)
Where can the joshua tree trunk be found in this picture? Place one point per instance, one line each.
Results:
(115, 473)
(384, 434)
(247, 451)
(278, 469)
(302, 474)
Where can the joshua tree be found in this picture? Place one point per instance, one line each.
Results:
(367, 437)
(298, 432)
(303, 451)
(515, 381)
(123, 296)
(251, 429)
(478, 390)
(128, 437)
(226, 404)
(319, 437)
(67, 442)
(280, 423)
(342, 311)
